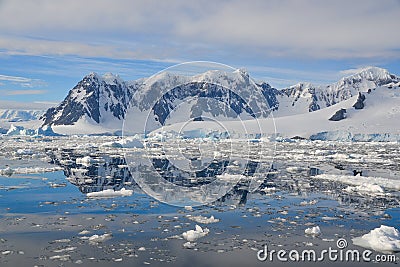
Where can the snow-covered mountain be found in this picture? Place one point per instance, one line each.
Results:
(306, 97)
(15, 115)
(100, 103)
(94, 97)
(370, 116)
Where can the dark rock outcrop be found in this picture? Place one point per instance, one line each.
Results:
(360, 102)
(339, 115)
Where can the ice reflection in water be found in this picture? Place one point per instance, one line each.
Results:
(106, 171)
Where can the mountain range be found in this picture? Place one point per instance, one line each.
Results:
(99, 104)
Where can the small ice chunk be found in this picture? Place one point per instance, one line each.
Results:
(314, 231)
(111, 193)
(203, 219)
(64, 249)
(383, 239)
(295, 169)
(189, 245)
(230, 177)
(269, 189)
(142, 249)
(84, 232)
(99, 238)
(7, 171)
(189, 208)
(311, 202)
(85, 161)
(193, 235)
(60, 257)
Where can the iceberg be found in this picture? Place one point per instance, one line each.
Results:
(383, 239)
(41, 131)
(19, 130)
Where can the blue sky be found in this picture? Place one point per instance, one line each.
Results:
(47, 46)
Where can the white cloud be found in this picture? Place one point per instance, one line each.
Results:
(24, 105)
(23, 81)
(184, 29)
(15, 79)
(25, 92)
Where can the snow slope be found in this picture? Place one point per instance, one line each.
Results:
(380, 116)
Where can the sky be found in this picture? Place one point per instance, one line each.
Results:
(47, 46)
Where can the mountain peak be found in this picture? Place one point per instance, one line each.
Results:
(92, 75)
(110, 78)
(372, 73)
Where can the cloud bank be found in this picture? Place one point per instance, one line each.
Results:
(180, 30)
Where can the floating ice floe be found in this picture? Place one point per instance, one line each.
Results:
(311, 202)
(111, 193)
(25, 170)
(203, 219)
(60, 257)
(189, 208)
(361, 180)
(84, 232)
(128, 142)
(65, 249)
(314, 231)
(227, 176)
(189, 245)
(269, 189)
(382, 239)
(24, 151)
(369, 189)
(7, 171)
(87, 161)
(99, 238)
(193, 235)
(295, 169)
